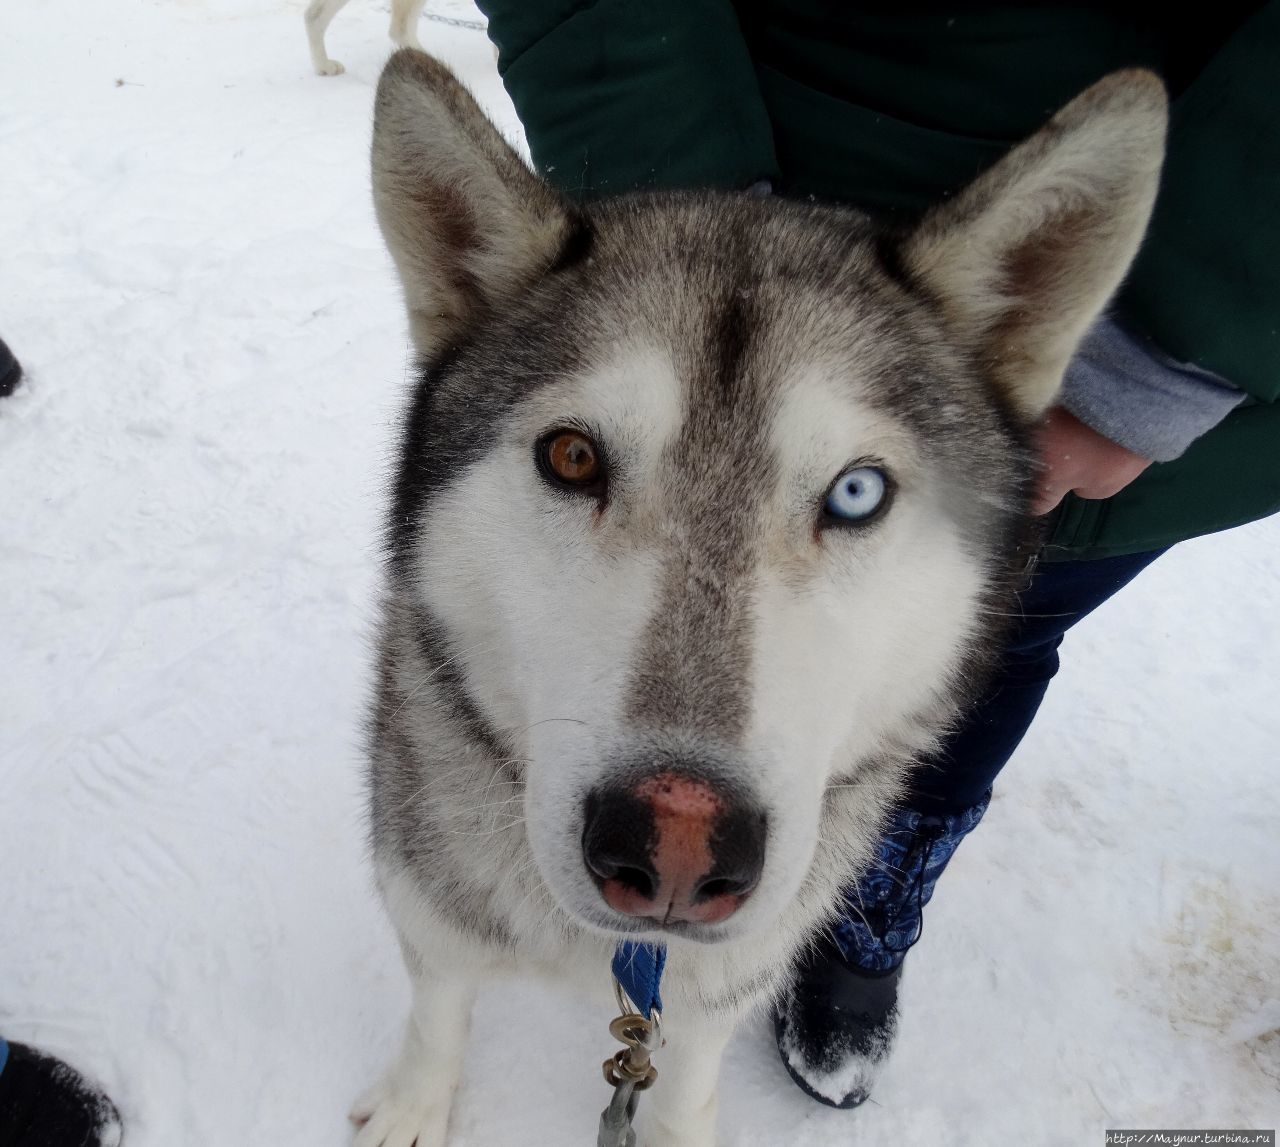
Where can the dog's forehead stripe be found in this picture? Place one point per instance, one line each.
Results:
(694, 661)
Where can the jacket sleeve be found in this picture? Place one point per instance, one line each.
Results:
(1206, 285)
(620, 94)
(1128, 390)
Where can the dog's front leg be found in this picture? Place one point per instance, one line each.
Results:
(410, 1104)
(680, 1109)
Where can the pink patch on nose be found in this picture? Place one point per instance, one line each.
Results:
(684, 816)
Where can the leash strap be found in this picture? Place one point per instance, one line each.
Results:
(638, 969)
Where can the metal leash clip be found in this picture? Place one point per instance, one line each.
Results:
(630, 1071)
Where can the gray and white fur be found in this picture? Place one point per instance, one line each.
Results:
(731, 355)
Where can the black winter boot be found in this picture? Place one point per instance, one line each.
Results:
(836, 1025)
(45, 1103)
(10, 371)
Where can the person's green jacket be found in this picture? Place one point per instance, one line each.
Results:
(892, 107)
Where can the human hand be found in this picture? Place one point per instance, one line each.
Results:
(1076, 458)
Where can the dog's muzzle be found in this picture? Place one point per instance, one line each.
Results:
(671, 847)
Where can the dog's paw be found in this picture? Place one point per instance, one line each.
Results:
(329, 68)
(388, 1118)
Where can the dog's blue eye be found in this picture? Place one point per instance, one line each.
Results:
(857, 494)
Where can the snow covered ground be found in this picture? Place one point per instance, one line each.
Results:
(190, 483)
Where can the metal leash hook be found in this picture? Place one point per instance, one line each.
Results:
(630, 1071)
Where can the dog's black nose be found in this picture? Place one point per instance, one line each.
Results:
(672, 847)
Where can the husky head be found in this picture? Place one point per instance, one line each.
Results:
(708, 503)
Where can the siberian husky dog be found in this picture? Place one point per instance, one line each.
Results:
(703, 525)
(319, 14)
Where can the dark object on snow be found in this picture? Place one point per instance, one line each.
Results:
(45, 1103)
(836, 1025)
(835, 1028)
(10, 371)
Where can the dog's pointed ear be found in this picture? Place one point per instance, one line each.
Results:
(1024, 259)
(468, 224)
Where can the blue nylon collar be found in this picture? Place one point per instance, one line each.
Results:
(638, 968)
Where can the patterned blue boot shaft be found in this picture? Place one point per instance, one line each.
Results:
(883, 910)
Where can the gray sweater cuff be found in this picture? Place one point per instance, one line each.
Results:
(1128, 390)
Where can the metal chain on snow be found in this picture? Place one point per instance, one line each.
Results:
(456, 21)
(616, 1119)
(629, 1071)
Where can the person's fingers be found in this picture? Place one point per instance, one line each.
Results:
(1049, 492)
(1111, 479)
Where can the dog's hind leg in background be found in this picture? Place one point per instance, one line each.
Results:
(404, 22)
(319, 14)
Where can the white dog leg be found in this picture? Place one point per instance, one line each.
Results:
(404, 22)
(410, 1104)
(680, 1109)
(318, 15)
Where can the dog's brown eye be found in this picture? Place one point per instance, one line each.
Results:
(570, 458)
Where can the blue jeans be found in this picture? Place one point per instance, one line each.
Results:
(1060, 594)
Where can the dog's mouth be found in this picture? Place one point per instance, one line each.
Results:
(658, 931)
(655, 902)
